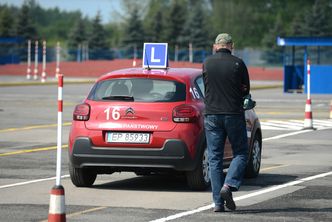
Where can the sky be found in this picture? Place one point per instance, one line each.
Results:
(87, 7)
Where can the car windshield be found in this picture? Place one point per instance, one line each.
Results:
(138, 89)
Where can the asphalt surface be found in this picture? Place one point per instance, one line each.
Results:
(28, 156)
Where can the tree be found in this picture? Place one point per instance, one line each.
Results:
(297, 24)
(273, 52)
(176, 19)
(154, 21)
(98, 34)
(25, 27)
(78, 34)
(77, 39)
(134, 34)
(318, 19)
(98, 45)
(195, 28)
(6, 23)
(114, 33)
(157, 26)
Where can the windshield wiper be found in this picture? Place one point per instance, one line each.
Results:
(124, 98)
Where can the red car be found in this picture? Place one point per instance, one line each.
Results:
(148, 121)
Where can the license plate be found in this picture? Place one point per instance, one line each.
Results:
(118, 137)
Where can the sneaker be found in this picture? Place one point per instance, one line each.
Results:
(226, 194)
(217, 209)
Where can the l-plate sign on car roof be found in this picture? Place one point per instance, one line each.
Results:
(155, 55)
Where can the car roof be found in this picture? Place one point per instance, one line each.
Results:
(180, 74)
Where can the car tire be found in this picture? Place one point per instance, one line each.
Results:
(255, 157)
(81, 177)
(199, 179)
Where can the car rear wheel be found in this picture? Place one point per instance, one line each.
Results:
(82, 177)
(199, 179)
(255, 157)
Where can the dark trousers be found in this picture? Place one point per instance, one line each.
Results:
(217, 128)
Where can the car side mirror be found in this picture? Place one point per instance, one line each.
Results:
(248, 103)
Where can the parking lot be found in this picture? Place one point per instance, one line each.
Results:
(294, 184)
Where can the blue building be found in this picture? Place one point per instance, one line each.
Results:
(296, 52)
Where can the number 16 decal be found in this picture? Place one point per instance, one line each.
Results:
(115, 113)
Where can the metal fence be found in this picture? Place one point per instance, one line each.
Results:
(252, 57)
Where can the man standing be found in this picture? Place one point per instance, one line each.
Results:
(226, 82)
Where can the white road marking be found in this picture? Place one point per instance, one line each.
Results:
(31, 181)
(323, 122)
(293, 133)
(246, 196)
(66, 176)
(207, 207)
(293, 124)
(286, 135)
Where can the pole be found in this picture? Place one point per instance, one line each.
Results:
(83, 51)
(190, 52)
(308, 79)
(135, 55)
(35, 76)
(79, 53)
(57, 69)
(308, 122)
(176, 53)
(59, 137)
(57, 208)
(29, 60)
(87, 51)
(43, 76)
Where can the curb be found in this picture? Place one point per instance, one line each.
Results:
(266, 87)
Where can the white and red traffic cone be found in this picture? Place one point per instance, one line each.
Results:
(308, 122)
(57, 212)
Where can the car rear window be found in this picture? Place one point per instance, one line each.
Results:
(139, 89)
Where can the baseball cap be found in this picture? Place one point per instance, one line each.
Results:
(223, 38)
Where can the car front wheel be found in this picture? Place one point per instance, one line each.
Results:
(82, 177)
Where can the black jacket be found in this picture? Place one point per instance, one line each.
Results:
(226, 81)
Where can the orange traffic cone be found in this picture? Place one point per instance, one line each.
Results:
(57, 212)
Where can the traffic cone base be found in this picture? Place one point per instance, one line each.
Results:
(43, 77)
(56, 211)
(28, 73)
(308, 122)
(56, 217)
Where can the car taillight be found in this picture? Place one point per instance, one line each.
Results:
(82, 112)
(185, 114)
